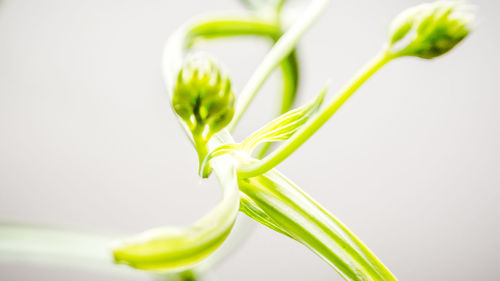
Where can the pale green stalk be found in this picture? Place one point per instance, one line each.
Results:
(51, 245)
(55, 246)
(282, 152)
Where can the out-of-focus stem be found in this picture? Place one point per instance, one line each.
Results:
(283, 47)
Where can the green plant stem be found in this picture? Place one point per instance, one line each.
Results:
(286, 206)
(252, 210)
(51, 245)
(280, 50)
(228, 26)
(252, 169)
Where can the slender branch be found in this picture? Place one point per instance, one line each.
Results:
(280, 50)
(259, 167)
(290, 71)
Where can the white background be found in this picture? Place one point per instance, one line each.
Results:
(410, 163)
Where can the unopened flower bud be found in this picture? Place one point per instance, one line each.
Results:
(430, 30)
(202, 97)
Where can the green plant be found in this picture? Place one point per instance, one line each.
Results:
(208, 110)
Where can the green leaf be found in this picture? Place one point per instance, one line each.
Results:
(283, 127)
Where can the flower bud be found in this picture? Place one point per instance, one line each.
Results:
(430, 30)
(202, 97)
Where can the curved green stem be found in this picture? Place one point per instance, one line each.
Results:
(167, 249)
(228, 26)
(259, 167)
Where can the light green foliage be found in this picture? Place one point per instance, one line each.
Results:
(430, 30)
(280, 129)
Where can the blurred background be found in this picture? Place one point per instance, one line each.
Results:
(410, 163)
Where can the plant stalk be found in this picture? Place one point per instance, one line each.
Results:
(256, 168)
(289, 208)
